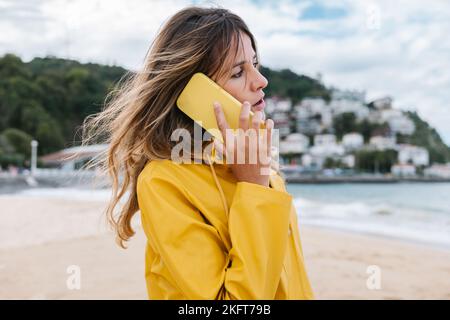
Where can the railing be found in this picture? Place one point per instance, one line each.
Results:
(58, 173)
(55, 178)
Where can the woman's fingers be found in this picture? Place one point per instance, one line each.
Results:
(221, 121)
(219, 148)
(244, 115)
(269, 127)
(256, 121)
(262, 136)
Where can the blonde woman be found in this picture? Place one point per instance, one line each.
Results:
(215, 229)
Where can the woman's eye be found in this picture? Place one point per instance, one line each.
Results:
(237, 75)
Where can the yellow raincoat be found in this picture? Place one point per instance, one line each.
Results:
(211, 237)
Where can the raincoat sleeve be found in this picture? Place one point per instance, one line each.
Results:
(197, 261)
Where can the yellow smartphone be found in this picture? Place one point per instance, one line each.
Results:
(196, 101)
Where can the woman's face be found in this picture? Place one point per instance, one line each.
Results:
(246, 83)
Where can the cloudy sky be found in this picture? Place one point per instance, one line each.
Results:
(396, 48)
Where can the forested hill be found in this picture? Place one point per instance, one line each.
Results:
(48, 98)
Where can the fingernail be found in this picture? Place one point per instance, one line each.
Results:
(216, 104)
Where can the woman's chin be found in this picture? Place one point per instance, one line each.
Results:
(259, 109)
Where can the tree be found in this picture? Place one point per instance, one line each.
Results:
(19, 140)
(375, 161)
(427, 137)
(344, 123)
(15, 147)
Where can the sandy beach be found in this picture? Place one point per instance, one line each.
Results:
(41, 237)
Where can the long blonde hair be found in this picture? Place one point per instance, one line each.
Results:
(140, 114)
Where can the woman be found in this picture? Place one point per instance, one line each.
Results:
(215, 229)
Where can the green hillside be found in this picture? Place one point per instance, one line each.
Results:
(48, 98)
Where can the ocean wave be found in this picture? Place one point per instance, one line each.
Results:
(380, 219)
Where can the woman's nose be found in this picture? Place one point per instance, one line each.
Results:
(260, 81)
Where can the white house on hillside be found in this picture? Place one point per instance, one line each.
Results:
(403, 170)
(349, 160)
(325, 146)
(355, 95)
(73, 158)
(313, 105)
(350, 106)
(397, 120)
(417, 156)
(312, 116)
(438, 170)
(402, 125)
(274, 104)
(387, 114)
(281, 123)
(383, 143)
(352, 141)
(324, 139)
(382, 103)
(294, 143)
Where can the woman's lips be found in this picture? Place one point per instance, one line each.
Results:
(260, 105)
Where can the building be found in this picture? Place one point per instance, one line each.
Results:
(294, 143)
(73, 158)
(352, 141)
(403, 170)
(382, 103)
(324, 139)
(409, 154)
(386, 114)
(349, 160)
(317, 161)
(401, 124)
(329, 151)
(438, 171)
(313, 106)
(360, 111)
(311, 162)
(281, 122)
(312, 116)
(349, 101)
(383, 143)
(325, 146)
(307, 126)
(397, 120)
(276, 104)
(355, 95)
(374, 116)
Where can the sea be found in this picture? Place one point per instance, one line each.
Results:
(418, 212)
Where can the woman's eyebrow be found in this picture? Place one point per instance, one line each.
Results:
(242, 62)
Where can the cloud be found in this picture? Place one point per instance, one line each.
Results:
(391, 48)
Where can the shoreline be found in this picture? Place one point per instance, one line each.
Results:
(406, 241)
(360, 179)
(12, 184)
(91, 222)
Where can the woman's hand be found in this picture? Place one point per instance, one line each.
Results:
(248, 150)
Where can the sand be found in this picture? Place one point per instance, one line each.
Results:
(34, 263)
